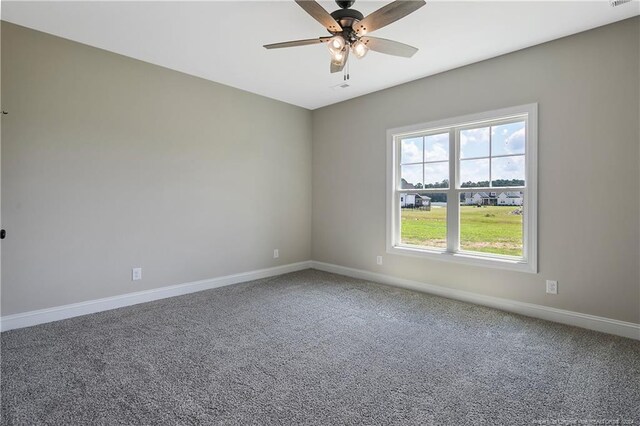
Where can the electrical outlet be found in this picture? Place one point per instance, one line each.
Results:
(276, 253)
(552, 287)
(379, 260)
(136, 274)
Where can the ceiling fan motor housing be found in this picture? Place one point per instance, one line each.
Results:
(347, 18)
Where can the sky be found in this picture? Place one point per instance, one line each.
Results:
(475, 158)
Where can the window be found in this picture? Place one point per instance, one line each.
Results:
(464, 189)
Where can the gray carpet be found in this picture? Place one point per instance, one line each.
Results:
(315, 348)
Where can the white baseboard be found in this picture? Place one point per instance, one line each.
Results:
(591, 322)
(42, 316)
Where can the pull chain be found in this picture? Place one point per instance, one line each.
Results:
(345, 71)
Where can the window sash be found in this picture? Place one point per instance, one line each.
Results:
(454, 224)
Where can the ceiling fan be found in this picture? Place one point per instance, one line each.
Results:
(349, 30)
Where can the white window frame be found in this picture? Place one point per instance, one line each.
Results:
(529, 261)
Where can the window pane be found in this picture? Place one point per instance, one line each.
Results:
(494, 225)
(474, 143)
(411, 151)
(411, 176)
(474, 173)
(436, 175)
(423, 220)
(436, 147)
(507, 171)
(508, 139)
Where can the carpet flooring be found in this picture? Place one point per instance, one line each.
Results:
(315, 348)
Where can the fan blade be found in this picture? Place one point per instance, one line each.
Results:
(318, 13)
(297, 43)
(386, 15)
(339, 66)
(389, 47)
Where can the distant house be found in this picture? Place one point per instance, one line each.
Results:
(492, 199)
(481, 198)
(415, 201)
(510, 199)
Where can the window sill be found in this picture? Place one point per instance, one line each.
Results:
(465, 259)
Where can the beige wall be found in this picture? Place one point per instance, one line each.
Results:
(110, 163)
(587, 87)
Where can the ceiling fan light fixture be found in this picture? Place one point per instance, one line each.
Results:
(338, 57)
(359, 49)
(336, 44)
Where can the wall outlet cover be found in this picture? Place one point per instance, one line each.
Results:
(136, 274)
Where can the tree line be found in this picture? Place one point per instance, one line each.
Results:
(481, 184)
(442, 198)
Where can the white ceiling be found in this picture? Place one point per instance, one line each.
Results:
(222, 40)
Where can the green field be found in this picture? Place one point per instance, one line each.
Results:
(488, 229)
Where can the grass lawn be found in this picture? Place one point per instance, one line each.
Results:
(490, 229)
